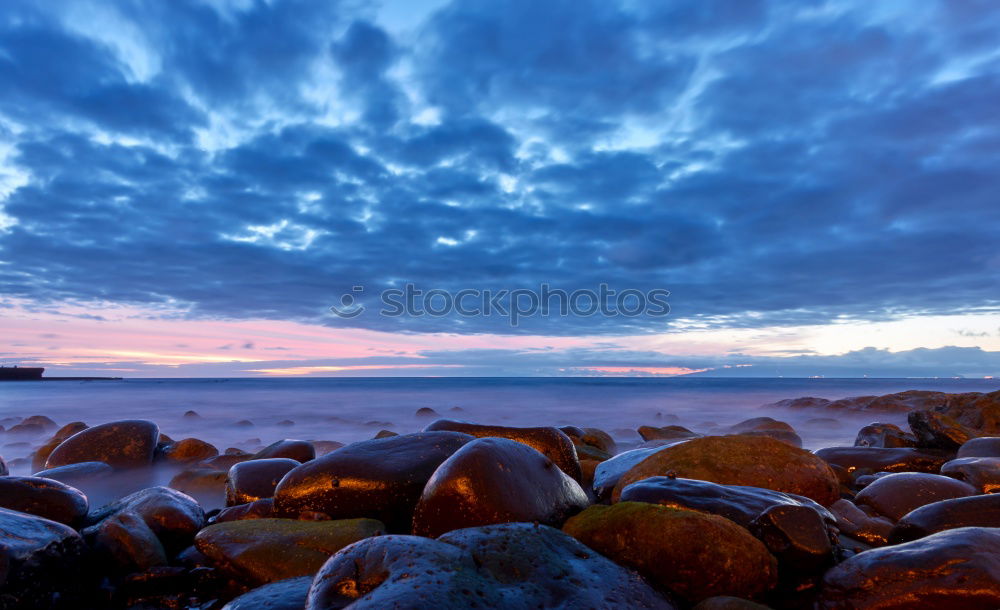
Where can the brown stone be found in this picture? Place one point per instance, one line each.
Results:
(972, 511)
(255, 479)
(122, 444)
(897, 494)
(983, 473)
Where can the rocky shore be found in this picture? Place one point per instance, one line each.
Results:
(472, 515)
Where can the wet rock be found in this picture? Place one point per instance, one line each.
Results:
(189, 450)
(3, 468)
(595, 437)
(496, 480)
(668, 433)
(863, 460)
(954, 569)
(692, 554)
(256, 479)
(738, 503)
(550, 442)
(81, 475)
(300, 451)
(983, 473)
(173, 516)
(984, 446)
(126, 541)
(45, 498)
(586, 452)
(40, 420)
(756, 461)
(41, 562)
(499, 566)
(285, 423)
(427, 412)
(26, 430)
(938, 431)
(609, 472)
(768, 426)
(804, 402)
(980, 412)
(385, 434)
(39, 457)
(206, 485)
(897, 494)
(859, 525)
(884, 435)
(191, 415)
(381, 478)
(227, 461)
(798, 537)
(260, 551)
(573, 432)
(288, 594)
(121, 444)
(973, 511)
(325, 447)
(726, 602)
(258, 509)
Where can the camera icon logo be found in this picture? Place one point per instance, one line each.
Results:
(348, 307)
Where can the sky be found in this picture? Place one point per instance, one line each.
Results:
(187, 187)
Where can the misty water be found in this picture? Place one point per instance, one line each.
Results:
(348, 410)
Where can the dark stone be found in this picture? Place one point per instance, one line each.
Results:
(973, 511)
(692, 554)
(381, 478)
(595, 437)
(191, 415)
(899, 493)
(45, 498)
(983, 473)
(40, 420)
(499, 566)
(122, 444)
(798, 537)
(385, 434)
(260, 551)
(496, 480)
(189, 450)
(325, 447)
(94, 479)
(300, 451)
(609, 472)
(173, 516)
(984, 446)
(768, 426)
(875, 459)
(666, 433)
(884, 435)
(288, 594)
(227, 461)
(244, 423)
(957, 568)
(938, 431)
(39, 457)
(756, 461)
(258, 509)
(3, 468)
(127, 542)
(550, 442)
(427, 412)
(859, 525)
(40, 562)
(206, 485)
(739, 503)
(727, 602)
(256, 479)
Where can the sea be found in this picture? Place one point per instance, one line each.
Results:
(251, 413)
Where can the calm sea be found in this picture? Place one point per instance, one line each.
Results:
(348, 410)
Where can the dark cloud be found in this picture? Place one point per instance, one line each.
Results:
(769, 163)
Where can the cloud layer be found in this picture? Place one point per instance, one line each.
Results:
(767, 162)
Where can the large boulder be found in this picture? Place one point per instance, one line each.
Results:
(381, 479)
(938, 431)
(514, 565)
(896, 494)
(173, 516)
(768, 426)
(866, 460)
(43, 498)
(121, 444)
(260, 551)
(609, 472)
(859, 525)
(958, 568)
(256, 479)
(972, 511)
(126, 543)
(40, 562)
(983, 446)
(983, 473)
(188, 450)
(887, 436)
(551, 442)
(300, 451)
(496, 480)
(757, 461)
(692, 554)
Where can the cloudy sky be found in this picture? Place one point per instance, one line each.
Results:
(186, 187)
